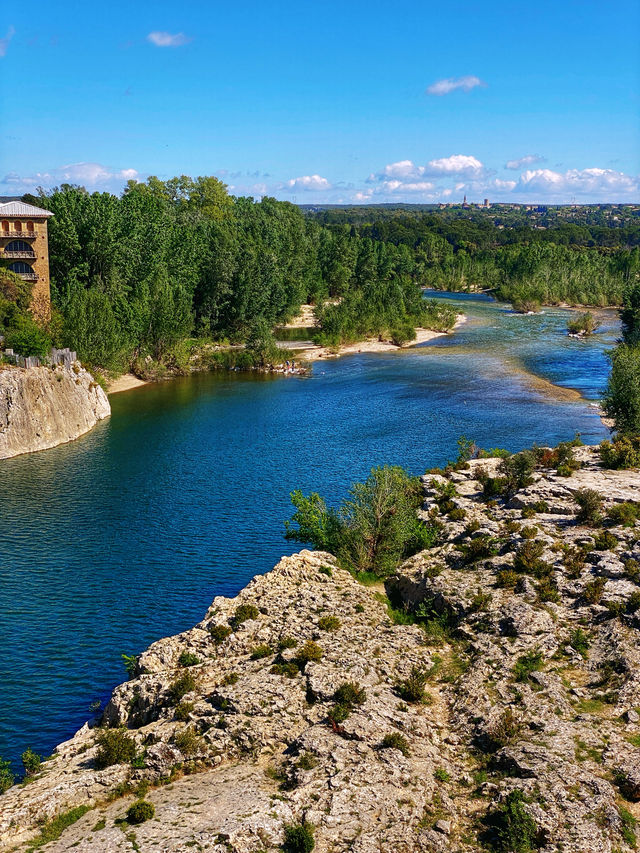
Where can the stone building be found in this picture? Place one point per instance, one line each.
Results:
(24, 248)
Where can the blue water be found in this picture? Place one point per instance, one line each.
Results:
(127, 534)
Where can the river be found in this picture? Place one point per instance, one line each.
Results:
(127, 534)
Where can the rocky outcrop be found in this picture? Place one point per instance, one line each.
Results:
(41, 407)
(509, 666)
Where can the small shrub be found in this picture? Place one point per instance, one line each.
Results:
(31, 762)
(412, 688)
(540, 506)
(359, 608)
(529, 531)
(605, 541)
(188, 659)
(307, 761)
(625, 514)
(140, 811)
(526, 664)
(183, 711)
(188, 742)
(350, 694)
(479, 548)
(230, 678)
(527, 559)
(580, 642)
(590, 503)
(441, 774)
(115, 746)
(179, 687)
(329, 623)
(298, 838)
(6, 776)
(472, 527)
(326, 570)
(516, 471)
(457, 514)
(632, 569)
(289, 669)
(515, 831)
(547, 590)
(507, 578)
(395, 740)
(219, 633)
(310, 652)
(261, 651)
(243, 613)
(286, 642)
(503, 730)
(623, 453)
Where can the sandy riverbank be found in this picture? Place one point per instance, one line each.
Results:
(311, 352)
(126, 382)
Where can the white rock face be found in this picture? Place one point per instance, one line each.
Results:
(41, 407)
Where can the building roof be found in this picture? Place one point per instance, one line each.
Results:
(19, 208)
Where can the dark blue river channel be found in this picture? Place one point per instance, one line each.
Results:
(127, 534)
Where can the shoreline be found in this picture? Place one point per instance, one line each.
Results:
(314, 352)
(126, 382)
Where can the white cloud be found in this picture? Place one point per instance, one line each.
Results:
(457, 164)
(363, 196)
(407, 172)
(164, 39)
(395, 186)
(594, 183)
(4, 42)
(521, 162)
(93, 176)
(309, 182)
(450, 84)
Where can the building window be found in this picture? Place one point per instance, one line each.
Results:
(21, 268)
(18, 246)
(17, 225)
(5, 225)
(30, 227)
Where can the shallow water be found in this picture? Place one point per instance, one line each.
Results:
(127, 534)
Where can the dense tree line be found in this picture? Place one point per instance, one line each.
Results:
(588, 262)
(136, 276)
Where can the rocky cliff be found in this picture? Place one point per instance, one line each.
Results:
(489, 698)
(41, 407)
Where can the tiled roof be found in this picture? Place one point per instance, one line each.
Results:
(19, 208)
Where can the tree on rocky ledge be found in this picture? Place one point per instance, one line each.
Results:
(374, 530)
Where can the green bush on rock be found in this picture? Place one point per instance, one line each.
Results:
(374, 530)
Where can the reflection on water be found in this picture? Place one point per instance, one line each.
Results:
(126, 535)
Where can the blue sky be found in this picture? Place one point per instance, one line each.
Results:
(340, 101)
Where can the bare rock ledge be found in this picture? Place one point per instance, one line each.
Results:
(248, 743)
(41, 407)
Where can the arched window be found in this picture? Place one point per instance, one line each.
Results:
(18, 246)
(30, 227)
(17, 225)
(5, 225)
(21, 268)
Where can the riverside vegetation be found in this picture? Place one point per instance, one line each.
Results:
(172, 272)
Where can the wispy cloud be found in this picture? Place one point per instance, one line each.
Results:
(93, 176)
(4, 42)
(527, 160)
(313, 183)
(450, 84)
(160, 38)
